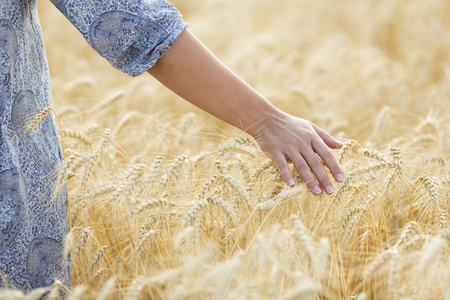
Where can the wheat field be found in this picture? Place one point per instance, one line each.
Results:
(166, 202)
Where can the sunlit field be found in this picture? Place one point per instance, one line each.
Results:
(167, 202)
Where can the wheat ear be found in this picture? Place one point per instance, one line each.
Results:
(163, 201)
(106, 290)
(303, 237)
(226, 208)
(39, 117)
(99, 255)
(99, 273)
(135, 289)
(93, 157)
(84, 80)
(76, 135)
(135, 173)
(431, 250)
(346, 148)
(109, 100)
(77, 293)
(35, 294)
(380, 126)
(373, 154)
(155, 169)
(84, 235)
(235, 146)
(430, 185)
(173, 171)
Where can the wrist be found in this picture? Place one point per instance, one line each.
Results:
(261, 120)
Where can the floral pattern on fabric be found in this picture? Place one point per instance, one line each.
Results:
(131, 35)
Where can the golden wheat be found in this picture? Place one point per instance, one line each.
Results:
(173, 204)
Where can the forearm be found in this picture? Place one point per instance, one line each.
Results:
(189, 69)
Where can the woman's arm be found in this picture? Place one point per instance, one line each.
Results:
(189, 69)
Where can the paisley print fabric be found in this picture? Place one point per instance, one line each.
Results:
(131, 35)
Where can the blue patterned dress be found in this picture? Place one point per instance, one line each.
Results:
(131, 35)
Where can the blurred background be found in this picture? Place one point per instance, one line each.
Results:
(336, 63)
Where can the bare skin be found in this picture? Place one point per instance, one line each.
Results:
(190, 70)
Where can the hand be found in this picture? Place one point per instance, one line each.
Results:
(286, 138)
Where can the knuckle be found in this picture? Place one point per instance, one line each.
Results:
(302, 143)
(279, 161)
(316, 164)
(312, 136)
(300, 165)
(328, 156)
(281, 165)
(307, 133)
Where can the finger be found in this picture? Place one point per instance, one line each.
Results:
(283, 168)
(330, 160)
(328, 139)
(318, 169)
(305, 173)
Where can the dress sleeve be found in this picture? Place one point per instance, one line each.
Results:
(130, 34)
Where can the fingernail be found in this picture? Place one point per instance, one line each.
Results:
(340, 177)
(316, 190)
(291, 182)
(329, 189)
